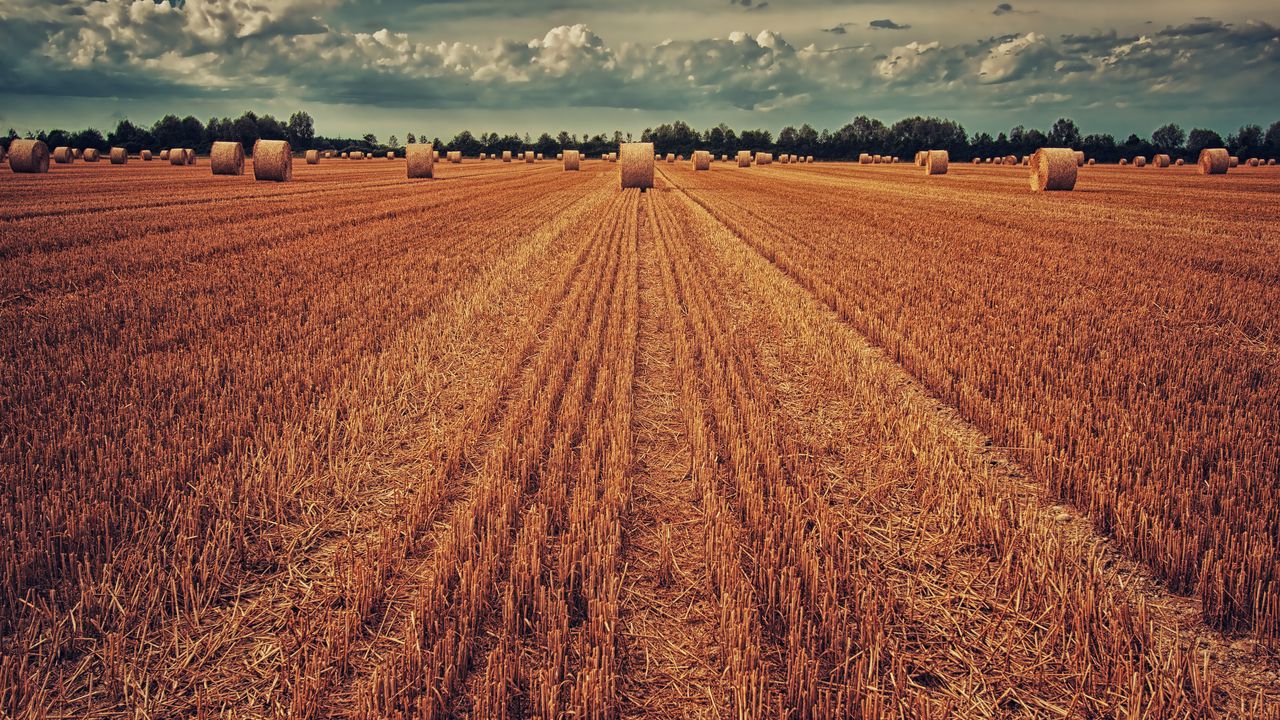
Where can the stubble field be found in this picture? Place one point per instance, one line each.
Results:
(773, 442)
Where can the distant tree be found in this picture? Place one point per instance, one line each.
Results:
(57, 138)
(393, 142)
(546, 145)
(466, 143)
(1246, 142)
(1168, 138)
(1064, 134)
(301, 131)
(370, 140)
(566, 141)
(88, 138)
(1100, 147)
(410, 139)
(1200, 138)
(129, 136)
(1270, 141)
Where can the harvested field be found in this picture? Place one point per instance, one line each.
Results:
(514, 442)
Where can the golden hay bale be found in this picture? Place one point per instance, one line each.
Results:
(78, 153)
(506, 156)
(1054, 169)
(28, 156)
(119, 156)
(455, 157)
(91, 155)
(936, 162)
(724, 158)
(528, 156)
(637, 165)
(538, 157)
(177, 156)
(357, 155)
(1214, 161)
(1271, 162)
(435, 155)
(1123, 161)
(1233, 161)
(1139, 161)
(346, 155)
(613, 157)
(226, 158)
(145, 155)
(272, 160)
(764, 158)
(190, 155)
(164, 154)
(313, 157)
(1179, 162)
(875, 159)
(1160, 161)
(920, 156)
(977, 161)
(744, 158)
(1080, 158)
(808, 158)
(1010, 159)
(559, 156)
(62, 154)
(701, 160)
(1253, 162)
(421, 161)
(572, 159)
(864, 159)
(391, 154)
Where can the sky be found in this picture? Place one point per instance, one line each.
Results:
(434, 67)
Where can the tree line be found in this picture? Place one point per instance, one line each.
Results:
(863, 134)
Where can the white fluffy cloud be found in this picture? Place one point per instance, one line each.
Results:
(270, 48)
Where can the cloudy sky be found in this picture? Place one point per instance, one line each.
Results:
(437, 66)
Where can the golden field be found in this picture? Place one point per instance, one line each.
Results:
(791, 441)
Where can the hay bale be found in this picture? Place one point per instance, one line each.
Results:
(272, 160)
(145, 155)
(177, 156)
(91, 155)
(528, 156)
(764, 158)
(118, 156)
(1179, 162)
(190, 155)
(346, 155)
(78, 153)
(572, 159)
(1233, 161)
(920, 157)
(357, 155)
(808, 159)
(455, 157)
(613, 157)
(977, 161)
(435, 155)
(1214, 161)
(560, 156)
(1080, 159)
(539, 157)
(313, 157)
(724, 157)
(701, 160)
(506, 156)
(227, 158)
(1010, 159)
(1271, 162)
(744, 158)
(936, 162)
(1123, 161)
(1160, 161)
(1140, 161)
(28, 156)
(864, 159)
(637, 165)
(164, 154)
(1054, 169)
(1253, 162)
(62, 154)
(420, 161)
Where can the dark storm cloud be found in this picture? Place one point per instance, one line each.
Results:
(1002, 9)
(886, 25)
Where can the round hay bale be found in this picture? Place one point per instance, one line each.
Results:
(119, 156)
(146, 155)
(559, 156)
(1214, 161)
(164, 154)
(572, 159)
(313, 157)
(1123, 161)
(62, 154)
(1140, 161)
(936, 162)
(346, 155)
(272, 160)
(538, 157)
(1054, 169)
(227, 158)
(1179, 162)
(28, 156)
(808, 159)
(79, 153)
(435, 154)
(1271, 162)
(91, 155)
(744, 158)
(419, 160)
(455, 157)
(724, 158)
(177, 156)
(1079, 158)
(1160, 161)
(613, 157)
(391, 154)
(637, 165)
(764, 158)
(920, 157)
(190, 155)
(528, 156)
(1253, 162)
(977, 161)
(1233, 161)
(701, 160)
(864, 159)
(506, 156)
(1010, 159)
(357, 155)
